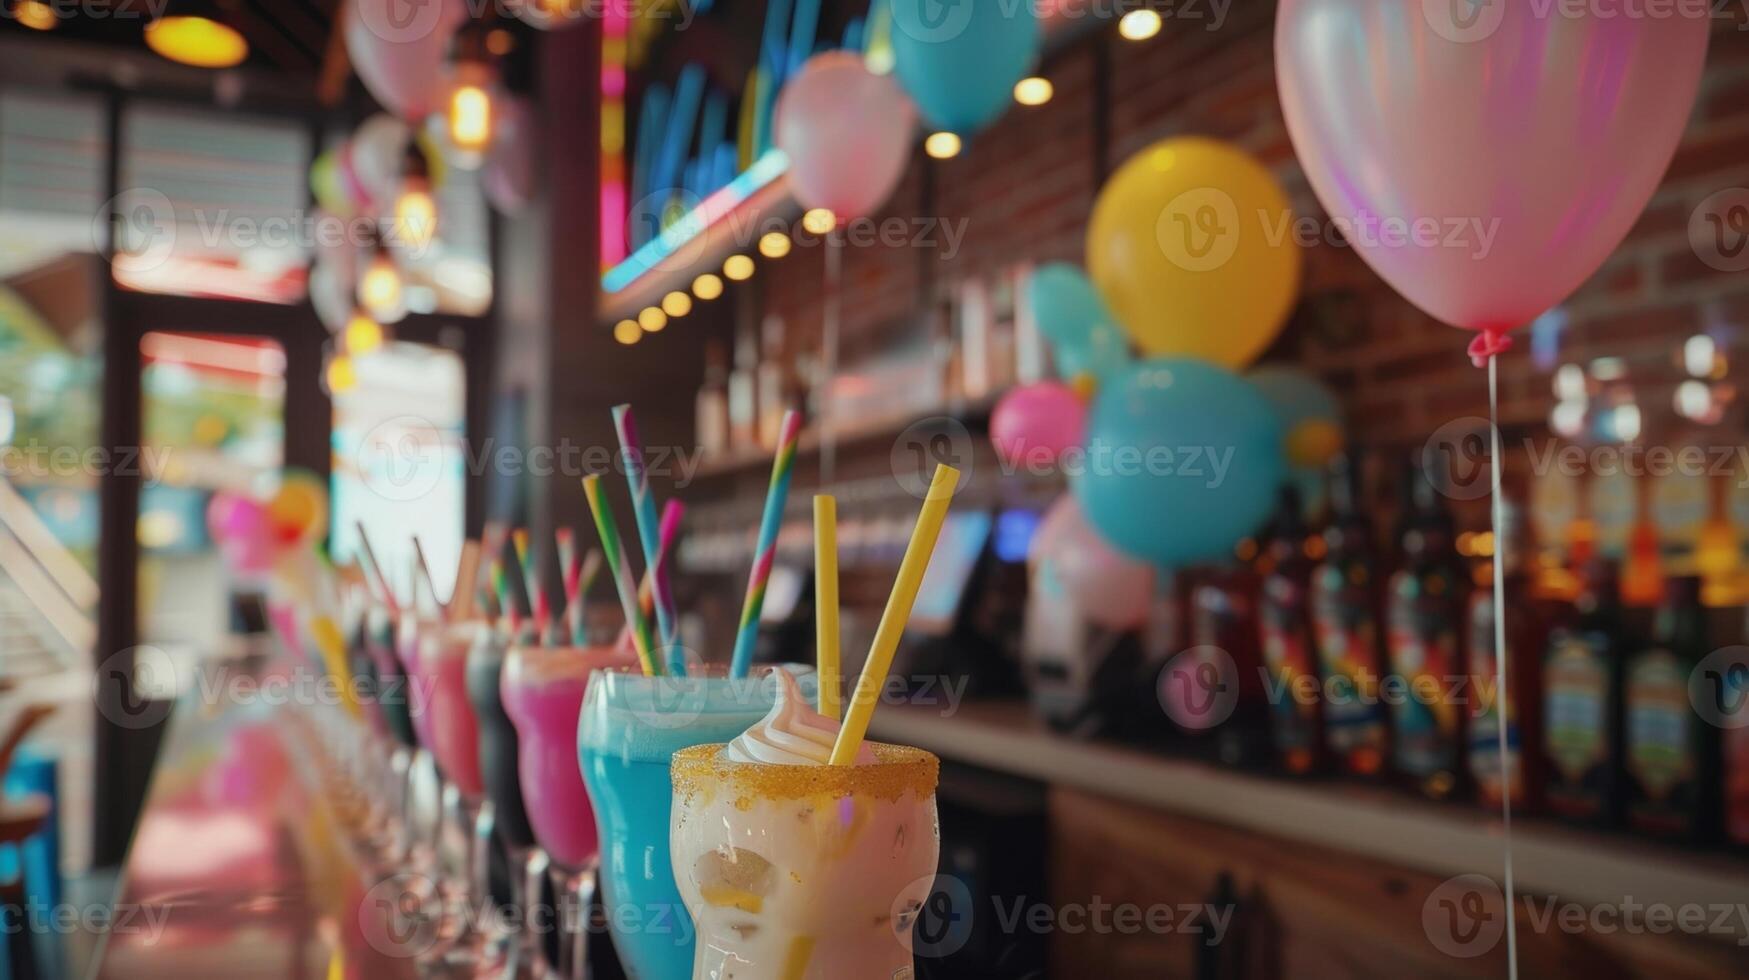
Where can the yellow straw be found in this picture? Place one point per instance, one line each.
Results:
(332, 646)
(897, 613)
(826, 603)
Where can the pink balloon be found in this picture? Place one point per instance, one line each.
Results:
(240, 527)
(1034, 424)
(1108, 588)
(847, 132)
(1486, 157)
(508, 178)
(398, 48)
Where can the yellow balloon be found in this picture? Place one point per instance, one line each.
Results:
(1191, 244)
(299, 510)
(1313, 443)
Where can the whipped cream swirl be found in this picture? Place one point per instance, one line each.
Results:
(792, 733)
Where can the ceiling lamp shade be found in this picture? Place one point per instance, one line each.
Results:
(186, 35)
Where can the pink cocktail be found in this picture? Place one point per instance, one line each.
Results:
(542, 689)
(442, 714)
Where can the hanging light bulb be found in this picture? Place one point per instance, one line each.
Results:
(469, 111)
(415, 208)
(380, 290)
(363, 335)
(340, 375)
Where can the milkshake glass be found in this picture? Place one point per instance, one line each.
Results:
(796, 869)
(631, 727)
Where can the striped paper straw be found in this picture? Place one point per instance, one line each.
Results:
(585, 578)
(374, 572)
(506, 603)
(537, 596)
(766, 551)
(644, 510)
(622, 575)
(569, 566)
(671, 515)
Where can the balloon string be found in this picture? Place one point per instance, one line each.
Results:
(830, 316)
(1501, 701)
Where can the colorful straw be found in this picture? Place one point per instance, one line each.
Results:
(826, 603)
(894, 617)
(672, 512)
(467, 576)
(422, 571)
(765, 553)
(644, 511)
(537, 594)
(622, 576)
(506, 602)
(374, 572)
(585, 578)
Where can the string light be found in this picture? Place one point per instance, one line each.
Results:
(363, 335)
(1034, 91)
(677, 304)
(738, 268)
(380, 290)
(942, 146)
(819, 221)
(652, 319)
(341, 376)
(1139, 25)
(627, 332)
(774, 245)
(707, 286)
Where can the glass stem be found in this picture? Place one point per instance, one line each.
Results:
(577, 885)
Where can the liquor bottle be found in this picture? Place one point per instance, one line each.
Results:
(712, 406)
(1345, 622)
(1224, 669)
(743, 394)
(1523, 773)
(1582, 673)
(1285, 629)
(1730, 685)
(1670, 754)
(1425, 611)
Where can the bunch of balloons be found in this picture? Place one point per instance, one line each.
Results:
(253, 533)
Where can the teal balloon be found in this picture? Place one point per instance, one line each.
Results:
(1183, 460)
(959, 59)
(1083, 335)
(1297, 396)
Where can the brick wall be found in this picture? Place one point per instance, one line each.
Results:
(1026, 185)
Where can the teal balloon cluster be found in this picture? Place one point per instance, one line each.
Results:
(1183, 459)
(959, 59)
(1083, 335)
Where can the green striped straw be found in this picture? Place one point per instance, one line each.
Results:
(622, 576)
(782, 468)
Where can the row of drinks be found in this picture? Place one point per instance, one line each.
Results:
(1377, 659)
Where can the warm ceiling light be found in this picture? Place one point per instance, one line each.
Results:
(819, 221)
(380, 289)
(774, 245)
(707, 286)
(500, 42)
(36, 15)
(942, 146)
(470, 118)
(1139, 25)
(652, 319)
(627, 332)
(196, 41)
(738, 268)
(363, 335)
(1034, 91)
(341, 376)
(677, 304)
(415, 215)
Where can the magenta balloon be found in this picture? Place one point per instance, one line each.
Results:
(398, 50)
(1486, 158)
(847, 132)
(1108, 588)
(1033, 424)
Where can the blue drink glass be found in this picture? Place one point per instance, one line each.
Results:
(630, 728)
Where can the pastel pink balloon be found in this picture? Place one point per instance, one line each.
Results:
(1033, 424)
(1486, 157)
(847, 132)
(1108, 588)
(398, 48)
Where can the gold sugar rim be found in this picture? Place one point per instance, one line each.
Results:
(897, 770)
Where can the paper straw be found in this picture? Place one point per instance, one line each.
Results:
(776, 495)
(575, 616)
(672, 512)
(622, 576)
(826, 603)
(537, 595)
(644, 511)
(894, 617)
(506, 602)
(374, 571)
(422, 570)
(467, 576)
